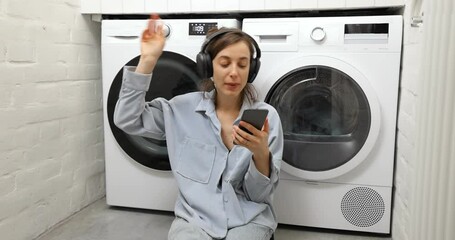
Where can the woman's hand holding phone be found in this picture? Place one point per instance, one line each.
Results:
(256, 141)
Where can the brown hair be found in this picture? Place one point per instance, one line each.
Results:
(216, 45)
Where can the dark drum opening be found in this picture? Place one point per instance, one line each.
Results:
(173, 75)
(325, 116)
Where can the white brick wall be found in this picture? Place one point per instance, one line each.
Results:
(405, 147)
(51, 144)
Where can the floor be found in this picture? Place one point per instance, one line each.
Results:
(102, 222)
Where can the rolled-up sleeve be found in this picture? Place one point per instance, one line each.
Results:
(132, 114)
(257, 186)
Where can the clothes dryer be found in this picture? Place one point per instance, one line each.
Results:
(334, 82)
(137, 168)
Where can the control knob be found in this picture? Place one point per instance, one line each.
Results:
(318, 34)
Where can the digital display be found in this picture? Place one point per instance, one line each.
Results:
(201, 28)
(377, 28)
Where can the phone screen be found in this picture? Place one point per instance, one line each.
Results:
(255, 117)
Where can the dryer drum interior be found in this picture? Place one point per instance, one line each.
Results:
(325, 116)
(173, 75)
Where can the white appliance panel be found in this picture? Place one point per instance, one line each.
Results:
(129, 183)
(367, 50)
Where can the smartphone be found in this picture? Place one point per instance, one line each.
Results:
(255, 117)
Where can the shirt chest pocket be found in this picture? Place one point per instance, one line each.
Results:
(196, 160)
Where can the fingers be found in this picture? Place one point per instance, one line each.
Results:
(145, 35)
(249, 127)
(266, 126)
(240, 137)
(243, 136)
(257, 142)
(159, 30)
(154, 16)
(153, 22)
(154, 26)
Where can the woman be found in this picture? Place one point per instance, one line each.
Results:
(226, 177)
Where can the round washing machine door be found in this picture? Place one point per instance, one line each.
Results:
(173, 75)
(330, 116)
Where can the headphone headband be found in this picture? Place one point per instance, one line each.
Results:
(223, 31)
(204, 61)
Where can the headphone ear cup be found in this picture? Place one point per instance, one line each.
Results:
(254, 69)
(204, 65)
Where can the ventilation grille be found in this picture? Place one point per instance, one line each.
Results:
(362, 207)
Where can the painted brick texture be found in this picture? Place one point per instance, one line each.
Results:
(405, 144)
(51, 145)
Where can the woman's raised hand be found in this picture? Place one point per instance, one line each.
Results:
(152, 44)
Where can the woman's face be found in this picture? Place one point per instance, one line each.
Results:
(230, 69)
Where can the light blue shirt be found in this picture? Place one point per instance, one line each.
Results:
(218, 189)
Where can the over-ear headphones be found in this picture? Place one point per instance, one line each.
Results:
(204, 61)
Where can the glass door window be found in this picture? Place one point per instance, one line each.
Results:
(325, 117)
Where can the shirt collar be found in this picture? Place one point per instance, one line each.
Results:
(207, 104)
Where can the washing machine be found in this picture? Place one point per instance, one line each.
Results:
(137, 169)
(334, 82)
